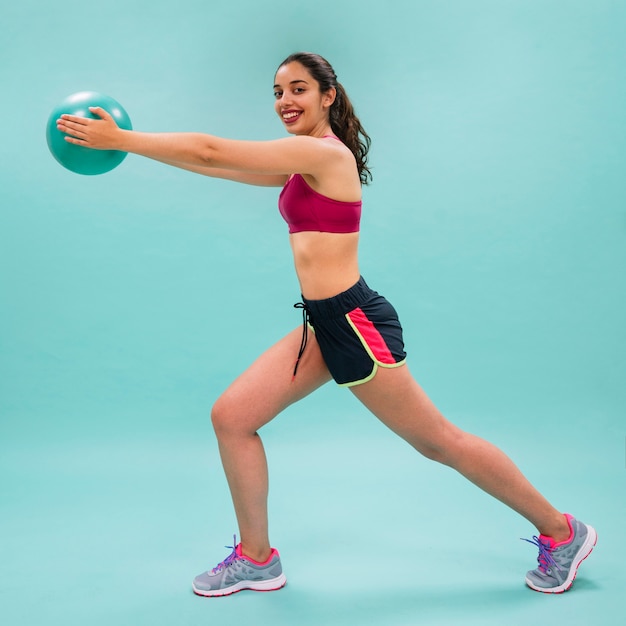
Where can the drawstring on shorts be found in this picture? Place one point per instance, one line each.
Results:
(305, 334)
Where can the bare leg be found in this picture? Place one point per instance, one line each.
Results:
(400, 403)
(251, 401)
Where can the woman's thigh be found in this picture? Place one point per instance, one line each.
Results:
(268, 386)
(394, 396)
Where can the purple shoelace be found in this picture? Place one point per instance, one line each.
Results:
(233, 556)
(545, 558)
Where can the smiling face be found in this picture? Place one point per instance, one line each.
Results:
(301, 106)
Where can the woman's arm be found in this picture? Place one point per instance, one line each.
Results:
(280, 157)
(261, 180)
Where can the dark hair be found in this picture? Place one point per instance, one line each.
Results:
(343, 121)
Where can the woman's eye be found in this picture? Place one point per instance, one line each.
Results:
(278, 94)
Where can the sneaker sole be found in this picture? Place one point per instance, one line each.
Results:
(583, 553)
(272, 584)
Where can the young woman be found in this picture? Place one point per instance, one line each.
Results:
(350, 333)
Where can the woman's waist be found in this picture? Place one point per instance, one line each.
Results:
(324, 278)
(325, 264)
(341, 302)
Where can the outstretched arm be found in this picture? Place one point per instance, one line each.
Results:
(261, 180)
(244, 161)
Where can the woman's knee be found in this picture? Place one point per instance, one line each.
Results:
(230, 417)
(445, 448)
(224, 417)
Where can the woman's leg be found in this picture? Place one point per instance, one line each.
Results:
(400, 403)
(252, 400)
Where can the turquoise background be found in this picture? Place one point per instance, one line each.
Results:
(496, 224)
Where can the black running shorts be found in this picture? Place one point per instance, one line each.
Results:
(357, 331)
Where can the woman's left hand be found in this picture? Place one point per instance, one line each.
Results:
(100, 134)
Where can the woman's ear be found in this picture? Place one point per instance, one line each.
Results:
(329, 97)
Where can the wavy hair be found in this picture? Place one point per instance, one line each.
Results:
(343, 120)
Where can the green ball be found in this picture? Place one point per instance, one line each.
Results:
(79, 159)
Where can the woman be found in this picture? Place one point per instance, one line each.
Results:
(355, 335)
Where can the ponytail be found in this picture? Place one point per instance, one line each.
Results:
(343, 120)
(347, 126)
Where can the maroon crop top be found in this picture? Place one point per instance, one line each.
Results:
(305, 209)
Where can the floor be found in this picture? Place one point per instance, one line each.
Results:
(110, 529)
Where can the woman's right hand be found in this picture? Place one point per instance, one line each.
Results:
(99, 134)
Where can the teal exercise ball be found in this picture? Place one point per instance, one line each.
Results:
(79, 159)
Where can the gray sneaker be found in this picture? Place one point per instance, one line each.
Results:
(237, 572)
(558, 562)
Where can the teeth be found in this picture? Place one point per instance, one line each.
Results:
(290, 115)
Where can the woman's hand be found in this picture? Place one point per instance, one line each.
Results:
(100, 134)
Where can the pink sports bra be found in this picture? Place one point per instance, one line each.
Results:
(305, 209)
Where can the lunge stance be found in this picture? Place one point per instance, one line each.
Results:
(350, 333)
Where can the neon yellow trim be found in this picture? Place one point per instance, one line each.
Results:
(361, 339)
(376, 362)
(362, 380)
(392, 365)
(368, 349)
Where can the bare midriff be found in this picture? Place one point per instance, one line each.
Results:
(326, 263)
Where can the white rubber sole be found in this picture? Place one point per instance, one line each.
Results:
(273, 584)
(583, 553)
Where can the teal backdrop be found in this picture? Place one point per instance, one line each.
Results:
(496, 224)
